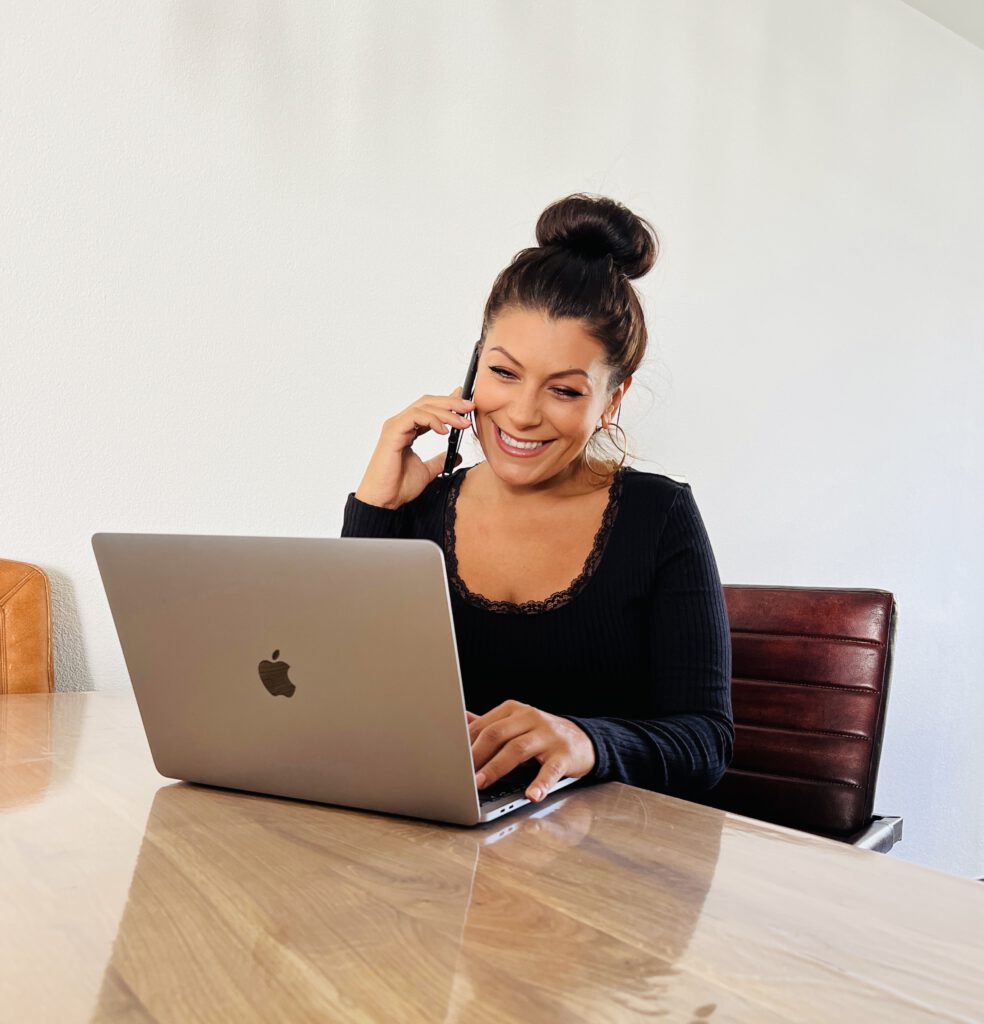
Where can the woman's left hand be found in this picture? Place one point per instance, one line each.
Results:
(514, 732)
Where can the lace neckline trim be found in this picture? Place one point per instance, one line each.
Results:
(555, 600)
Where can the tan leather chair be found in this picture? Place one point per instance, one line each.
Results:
(810, 679)
(26, 655)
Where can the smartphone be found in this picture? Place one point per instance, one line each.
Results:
(467, 390)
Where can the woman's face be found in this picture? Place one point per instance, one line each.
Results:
(544, 381)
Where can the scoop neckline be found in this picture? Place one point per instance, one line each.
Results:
(555, 600)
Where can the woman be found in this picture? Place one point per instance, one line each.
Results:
(591, 627)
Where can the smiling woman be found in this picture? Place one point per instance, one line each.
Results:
(528, 409)
(592, 632)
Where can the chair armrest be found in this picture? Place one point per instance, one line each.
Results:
(880, 835)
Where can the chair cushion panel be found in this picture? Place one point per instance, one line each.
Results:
(806, 755)
(795, 803)
(802, 706)
(803, 659)
(861, 614)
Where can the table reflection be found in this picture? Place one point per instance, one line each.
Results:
(31, 727)
(241, 903)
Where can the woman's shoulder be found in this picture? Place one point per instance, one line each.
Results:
(646, 486)
(650, 498)
(662, 508)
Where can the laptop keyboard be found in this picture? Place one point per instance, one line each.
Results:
(512, 783)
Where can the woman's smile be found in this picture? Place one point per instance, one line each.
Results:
(518, 448)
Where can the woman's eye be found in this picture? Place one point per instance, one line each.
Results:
(566, 392)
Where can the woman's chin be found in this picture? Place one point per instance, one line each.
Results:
(529, 471)
(511, 466)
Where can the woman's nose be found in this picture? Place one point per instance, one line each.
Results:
(524, 409)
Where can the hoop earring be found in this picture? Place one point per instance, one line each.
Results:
(621, 448)
(586, 463)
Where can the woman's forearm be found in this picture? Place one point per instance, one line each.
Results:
(676, 754)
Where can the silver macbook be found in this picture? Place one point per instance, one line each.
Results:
(319, 669)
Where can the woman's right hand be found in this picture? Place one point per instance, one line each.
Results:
(396, 474)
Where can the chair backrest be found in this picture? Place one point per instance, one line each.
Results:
(26, 662)
(810, 681)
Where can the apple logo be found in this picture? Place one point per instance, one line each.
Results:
(274, 676)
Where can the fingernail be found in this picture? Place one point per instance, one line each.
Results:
(536, 793)
(479, 780)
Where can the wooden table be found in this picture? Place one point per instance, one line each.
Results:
(129, 898)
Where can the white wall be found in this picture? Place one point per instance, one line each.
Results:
(236, 236)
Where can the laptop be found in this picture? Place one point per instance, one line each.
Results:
(322, 669)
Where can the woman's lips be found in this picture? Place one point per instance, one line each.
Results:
(519, 453)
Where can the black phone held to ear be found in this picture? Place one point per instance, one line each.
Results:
(467, 390)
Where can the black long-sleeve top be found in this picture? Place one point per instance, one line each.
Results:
(637, 651)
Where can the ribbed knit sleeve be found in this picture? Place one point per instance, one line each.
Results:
(686, 744)
(363, 520)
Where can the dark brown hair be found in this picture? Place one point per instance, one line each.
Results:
(590, 248)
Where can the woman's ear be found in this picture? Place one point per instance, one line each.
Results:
(617, 395)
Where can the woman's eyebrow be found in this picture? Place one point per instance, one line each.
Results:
(559, 373)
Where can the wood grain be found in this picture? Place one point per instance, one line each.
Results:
(128, 898)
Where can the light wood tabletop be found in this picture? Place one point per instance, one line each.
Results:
(130, 898)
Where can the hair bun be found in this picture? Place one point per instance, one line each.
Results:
(595, 227)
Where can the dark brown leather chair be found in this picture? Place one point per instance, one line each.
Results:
(810, 681)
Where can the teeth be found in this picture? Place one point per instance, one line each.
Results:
(513, 443)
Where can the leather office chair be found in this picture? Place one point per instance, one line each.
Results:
(26, 655)
(810, 681)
